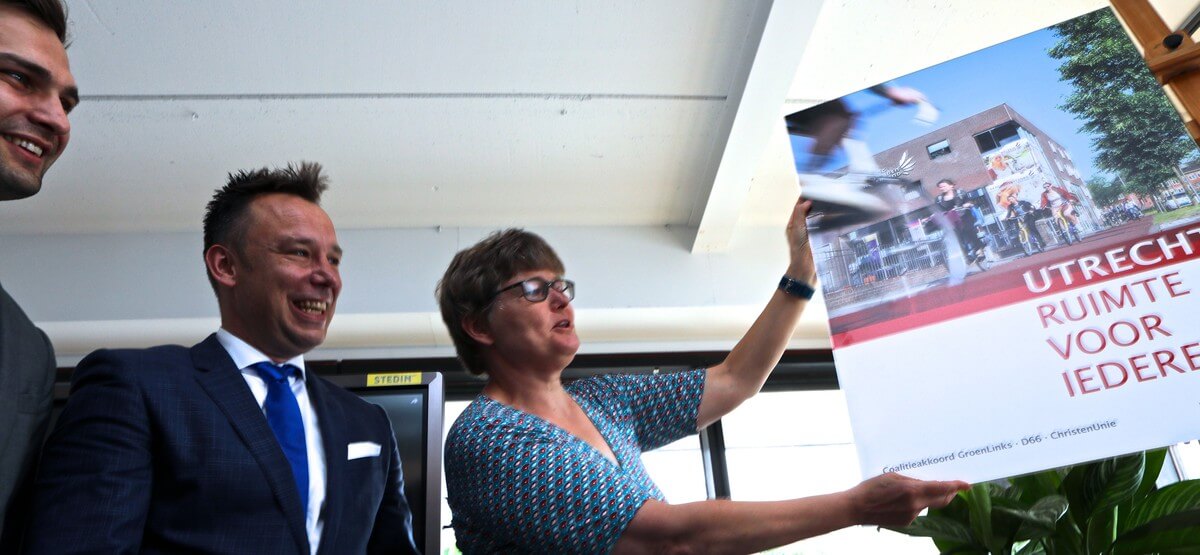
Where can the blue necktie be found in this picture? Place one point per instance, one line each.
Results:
(283, 415)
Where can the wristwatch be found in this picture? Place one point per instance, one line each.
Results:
(797, 289)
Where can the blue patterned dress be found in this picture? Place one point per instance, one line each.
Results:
(518, 484)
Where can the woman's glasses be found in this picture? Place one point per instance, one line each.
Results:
(536, 290)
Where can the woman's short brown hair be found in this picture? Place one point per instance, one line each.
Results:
(476, 273)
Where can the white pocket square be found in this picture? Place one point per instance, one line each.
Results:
(362, 449)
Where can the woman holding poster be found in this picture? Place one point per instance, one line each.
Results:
(534, 465)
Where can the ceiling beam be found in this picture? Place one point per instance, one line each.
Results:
(753, 108)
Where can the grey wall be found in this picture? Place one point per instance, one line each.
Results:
(92, 291)
(147, 276)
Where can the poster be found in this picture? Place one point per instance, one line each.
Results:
(1007, 247)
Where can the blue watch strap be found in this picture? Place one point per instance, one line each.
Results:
(797, 289)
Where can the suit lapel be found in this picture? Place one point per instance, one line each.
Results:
(225, 385)
(333, 437)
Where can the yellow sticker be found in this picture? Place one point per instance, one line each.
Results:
(393, 378)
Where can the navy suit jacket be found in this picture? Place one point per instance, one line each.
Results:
(165, 450)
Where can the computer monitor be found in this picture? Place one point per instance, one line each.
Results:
(414, 402)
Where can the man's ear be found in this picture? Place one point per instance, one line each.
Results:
(477, 327)
(222, 265)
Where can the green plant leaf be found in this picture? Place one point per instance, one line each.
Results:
(1008, 513)
(958, 512)
(957, 509)
(1038, 521)
(1105, 507)
(1166, 521)
(964, 550)
(1012, 491)
(1101, 485)
(1037, 485)
(1032, 548)
(1175, 498)
(938, 528)
(1073, 488)
(979, 504)
(1166, 536)
(1154, 464)
(1067, 538)
(1101, 530)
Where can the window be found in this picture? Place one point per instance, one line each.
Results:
(678, 470)
(1006, 133)
(940, 148)
(1187, 459)
(997, 137)
(985, 142)
(782, 445)
(453, 409)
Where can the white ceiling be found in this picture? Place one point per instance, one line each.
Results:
(466, 113)
(424, 113)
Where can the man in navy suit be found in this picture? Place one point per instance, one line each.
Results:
(36, 92)
(208, 449)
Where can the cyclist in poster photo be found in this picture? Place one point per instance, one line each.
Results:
(1060, 201)
(961, 213)
(1022, 214)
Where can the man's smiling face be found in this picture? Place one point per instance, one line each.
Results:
(37, 91)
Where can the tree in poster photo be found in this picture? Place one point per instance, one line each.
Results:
(1137, 133)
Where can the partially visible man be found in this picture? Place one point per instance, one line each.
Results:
(36, 92)
(230, 446)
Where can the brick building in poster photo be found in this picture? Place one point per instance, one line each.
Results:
(982, 153)
(992, 150)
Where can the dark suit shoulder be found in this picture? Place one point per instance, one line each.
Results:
(162, 354)
(134, 364)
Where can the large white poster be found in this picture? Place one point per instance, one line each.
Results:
(1007, 247)
(1104, 365)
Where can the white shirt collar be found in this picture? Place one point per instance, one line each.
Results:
(244, 355)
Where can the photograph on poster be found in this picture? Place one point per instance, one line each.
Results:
(1006, 244)
(960, 175)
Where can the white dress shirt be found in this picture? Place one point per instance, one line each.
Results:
(245, 357)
